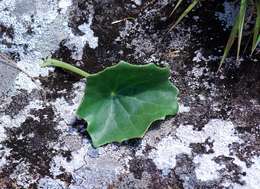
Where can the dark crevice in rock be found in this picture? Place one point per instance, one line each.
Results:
(7, 31)
(30, 143)
(139, 165)
(17, 104)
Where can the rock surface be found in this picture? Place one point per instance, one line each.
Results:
(214, 141)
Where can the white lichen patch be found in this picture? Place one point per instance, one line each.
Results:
(218, 132)
(167, 150)
(252, 178)
(198, 57)
(49, 183)
(77, 43)
(24, 82)
(138, 2)
(38, 29)
(37, 38)
(4, 153)
(64, 4)
(201, 97)
(7, 82)
(197, 72)
(207, 169)
(88, 171)
(22, 176)
(47, 29)
(7, 121)
(64, 110)
(183, 109)
(70, 166)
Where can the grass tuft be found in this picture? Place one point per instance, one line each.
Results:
(237, 29)
(176, 6)
(230, 42)
(241, 20)
(185, 12)
(256, 35)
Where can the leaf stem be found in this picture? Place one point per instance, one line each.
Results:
(66, 66)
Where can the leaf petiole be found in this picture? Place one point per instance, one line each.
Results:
(66, 66)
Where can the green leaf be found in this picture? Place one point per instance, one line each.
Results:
(256, 36)
(241, 19)
(122, 101)
(176, 6)
(185, 12)
(231, 39)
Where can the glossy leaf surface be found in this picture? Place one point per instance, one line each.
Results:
(122, 101)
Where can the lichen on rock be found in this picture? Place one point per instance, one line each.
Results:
(213, 142)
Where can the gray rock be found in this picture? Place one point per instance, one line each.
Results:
(7, 77)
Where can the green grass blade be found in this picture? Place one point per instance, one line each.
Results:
(176, 6)
(231, 39)
(187, 10)
(256, 36)
(241, 19)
